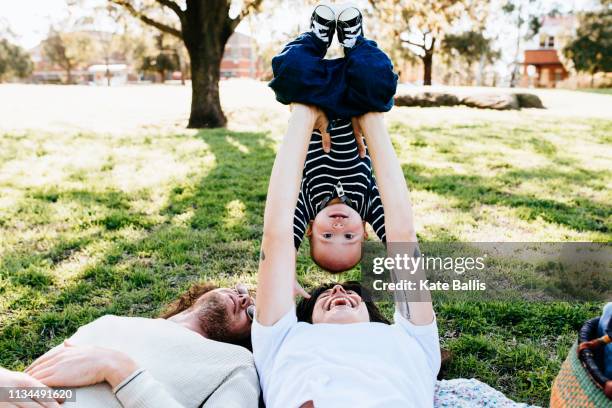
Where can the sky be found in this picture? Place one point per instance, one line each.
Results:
(29, 20)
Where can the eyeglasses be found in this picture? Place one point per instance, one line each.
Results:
(242, 290)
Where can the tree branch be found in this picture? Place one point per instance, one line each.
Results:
(411, 43)
(147, 20)
(250, 6)
(172, 6)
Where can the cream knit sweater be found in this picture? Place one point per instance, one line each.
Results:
(178, 367)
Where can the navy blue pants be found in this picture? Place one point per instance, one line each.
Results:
(363, 81)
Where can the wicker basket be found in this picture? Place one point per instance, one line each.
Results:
(580, 382)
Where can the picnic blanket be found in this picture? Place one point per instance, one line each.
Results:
(469, 393)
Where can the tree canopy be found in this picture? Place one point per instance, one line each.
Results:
(470, 45)
(68, 50)
(460, 53)
(14, 61)
(591, 48)
(420, 26)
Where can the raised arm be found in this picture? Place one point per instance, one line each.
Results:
(276, 275)
(399, 221)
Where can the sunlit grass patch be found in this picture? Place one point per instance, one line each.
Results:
(604, 91)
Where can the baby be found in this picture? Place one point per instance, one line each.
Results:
(338, 195)
(338, 192)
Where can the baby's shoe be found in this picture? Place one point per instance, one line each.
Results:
(349, 26)
(323, 23)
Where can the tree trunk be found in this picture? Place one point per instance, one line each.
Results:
(181, 62)
(515, 69)
(480, 72)
(69, 76)
(427, 64)
(108, 73)
(513, 76)
(206, 109)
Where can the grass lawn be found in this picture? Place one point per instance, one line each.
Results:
(93, 223)
(605, 91)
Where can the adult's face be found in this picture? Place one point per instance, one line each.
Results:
(339, 306)
(222, 313)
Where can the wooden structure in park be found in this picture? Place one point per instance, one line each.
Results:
(548, 67)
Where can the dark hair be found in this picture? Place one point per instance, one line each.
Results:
(305, 306)
(187, 299)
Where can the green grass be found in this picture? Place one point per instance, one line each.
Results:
(92, 224)
(605, 91)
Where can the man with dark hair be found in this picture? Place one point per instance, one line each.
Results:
(190, 357)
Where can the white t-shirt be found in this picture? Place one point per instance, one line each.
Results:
(346, 365)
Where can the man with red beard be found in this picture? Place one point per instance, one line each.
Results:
(192, 356)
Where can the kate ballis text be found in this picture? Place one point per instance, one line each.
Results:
(425, 284)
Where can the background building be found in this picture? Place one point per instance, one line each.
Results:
(111, 74)
(543, 64)
(239, 59)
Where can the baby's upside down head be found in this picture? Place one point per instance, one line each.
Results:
(336, 236)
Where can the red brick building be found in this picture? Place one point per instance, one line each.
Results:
(542, 66)
(239, 59)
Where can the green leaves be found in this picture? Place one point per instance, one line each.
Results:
(14, 61)
(591, 48)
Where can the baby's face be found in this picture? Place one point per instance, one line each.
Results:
(337, 235)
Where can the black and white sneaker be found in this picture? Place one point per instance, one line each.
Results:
(323, 23)
(349, 26)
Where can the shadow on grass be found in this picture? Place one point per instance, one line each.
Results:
(244, 162)
(212, 230)
(470, 190)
